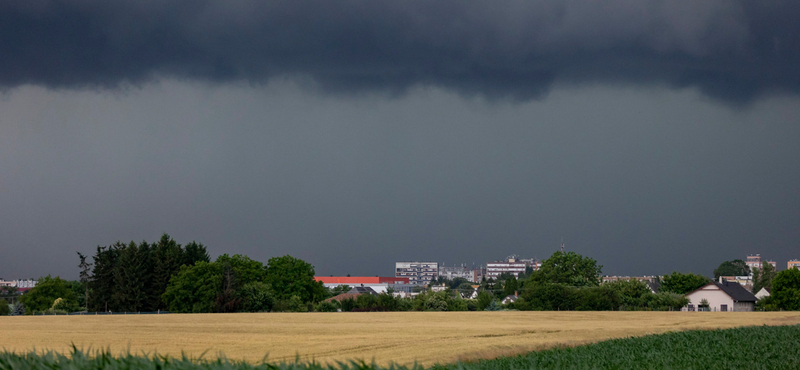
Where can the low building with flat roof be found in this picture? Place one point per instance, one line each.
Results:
(378, 283)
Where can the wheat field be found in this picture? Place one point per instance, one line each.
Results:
(391, 337)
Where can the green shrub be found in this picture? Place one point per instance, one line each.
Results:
(326, 306)
(296, 304)
(257, 297)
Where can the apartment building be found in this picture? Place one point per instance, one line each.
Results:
(471, 275)
(29, 283)
(753, 261)
(511, 265)
(418, 273)
(793, 264)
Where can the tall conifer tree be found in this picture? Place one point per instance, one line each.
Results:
(132, 278)
(167, 259)
(195, 252)
(102, 282)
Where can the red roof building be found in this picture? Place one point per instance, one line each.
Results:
(358, 280)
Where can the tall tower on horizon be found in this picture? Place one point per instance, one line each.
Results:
(562, 245)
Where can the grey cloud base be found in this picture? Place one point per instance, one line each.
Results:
(736, 51)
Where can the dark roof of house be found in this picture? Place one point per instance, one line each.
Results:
(736, 291)
(511, 298)
(343, 296)
(363, 290)
(654, 285)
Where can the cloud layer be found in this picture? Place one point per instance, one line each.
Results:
(732, 50)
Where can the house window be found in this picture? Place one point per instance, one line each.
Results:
(691, 307)
(723, 308)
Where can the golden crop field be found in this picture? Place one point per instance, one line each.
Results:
(399, 337)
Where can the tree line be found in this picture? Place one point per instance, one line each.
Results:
(141, 277)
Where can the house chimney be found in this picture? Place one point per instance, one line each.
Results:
(515, 294)
(720, 279)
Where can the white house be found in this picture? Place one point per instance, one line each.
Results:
(510, 299)
(764, 292)
(722, 296)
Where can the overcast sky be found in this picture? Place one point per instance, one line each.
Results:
(652, 136)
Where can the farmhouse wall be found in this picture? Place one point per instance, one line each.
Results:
(715, 297)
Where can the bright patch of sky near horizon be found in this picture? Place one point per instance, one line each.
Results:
(644, 180)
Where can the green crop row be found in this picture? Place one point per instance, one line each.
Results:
(766, 347)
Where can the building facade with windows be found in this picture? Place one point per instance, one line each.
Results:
(418, 273)
(753, 261)
(29, 283)
(511, 265)
(721, 296)
(453, 272)
(793, 264)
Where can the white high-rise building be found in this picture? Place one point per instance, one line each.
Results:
(418, 273)
(511, 265)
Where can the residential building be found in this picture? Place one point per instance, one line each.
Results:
(610, 279)
(793, 264)
(363, 290)
(753, 261)
(471, 275)
(764, 292)
(418, 273)
(532, 262)
(21, 283)
(511, 265)
(510, 298)
(774, 264)
(722, 296)
(378, 284)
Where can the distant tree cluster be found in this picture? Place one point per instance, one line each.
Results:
(133, 277)
(569, 281)
(239, 284)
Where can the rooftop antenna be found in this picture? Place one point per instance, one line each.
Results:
(562, 244)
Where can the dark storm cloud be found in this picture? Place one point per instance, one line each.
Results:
(732, 50)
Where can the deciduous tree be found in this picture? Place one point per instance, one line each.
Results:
(786, 290)
(681, 283)
(732, 268)
(47, 290)
(291, 276)
(194, 288)
(568, 268)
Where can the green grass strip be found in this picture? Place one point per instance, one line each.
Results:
(765, 347)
